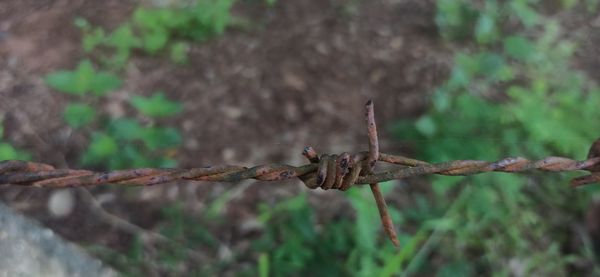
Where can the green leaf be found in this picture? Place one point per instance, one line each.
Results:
(161, 138)
(426, 126)
(92, 39)
(519, 48)
(485, 30)
(81, 23)
(61, 81)
(101, 147)
(144, 18)
(82, 80)
(123, 38)
(131, 156)
(156, 106)
(365, 228)
(455, 18)
(441, 100)
(490, 63)
(152, 20)
(155, 41)
(365, 224)
(179, 52)
(410, 246)
(64, 81)
(104, 82)
(7, 152)
(77, 115)
(83, 76)
(526, 14)
(465, 67)
(125, 129)
(263, 265)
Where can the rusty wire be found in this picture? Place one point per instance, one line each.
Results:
(324, 171)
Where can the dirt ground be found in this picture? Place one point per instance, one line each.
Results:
(299, 76)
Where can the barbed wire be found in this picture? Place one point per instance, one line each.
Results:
(325, 171)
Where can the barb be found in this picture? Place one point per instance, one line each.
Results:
(324, 171)
(386, 219)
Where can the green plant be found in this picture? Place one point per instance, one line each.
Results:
(154, 30)
(156, 106)
(514, 94)
(123, 142)
(82, 80)
(296, 246)
(78, 115)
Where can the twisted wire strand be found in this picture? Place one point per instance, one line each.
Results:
(326, 171)
(325, 174)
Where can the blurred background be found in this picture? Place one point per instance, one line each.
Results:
(186, 83)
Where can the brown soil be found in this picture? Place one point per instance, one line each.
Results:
(298, 75)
